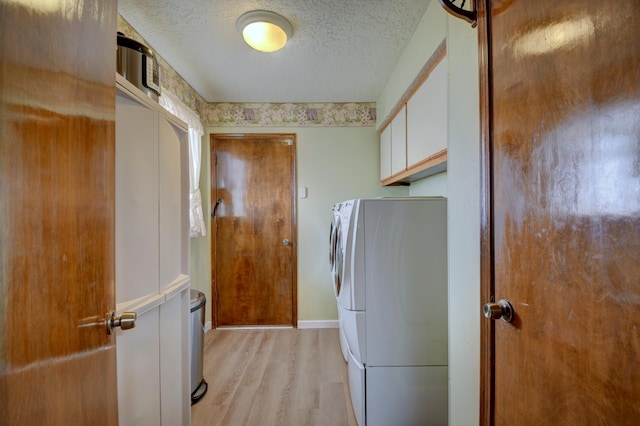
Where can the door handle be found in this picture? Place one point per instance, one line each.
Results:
(285, 242)
(215, 208)
(125, 321)
(501, 310)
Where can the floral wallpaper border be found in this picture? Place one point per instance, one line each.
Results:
(362, 114)
(224, 114)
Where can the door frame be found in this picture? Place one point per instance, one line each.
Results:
(487, 328)
(294, 217)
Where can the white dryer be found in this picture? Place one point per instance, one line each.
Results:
(393, 301)
(336, 258)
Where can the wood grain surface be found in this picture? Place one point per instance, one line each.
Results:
(254, 270)
(566, 211)
(274, 377)
(57, 146)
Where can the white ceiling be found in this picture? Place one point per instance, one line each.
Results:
(341, 50)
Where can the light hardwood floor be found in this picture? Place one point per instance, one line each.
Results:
(274, 377)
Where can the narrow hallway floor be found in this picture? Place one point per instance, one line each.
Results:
(274, 377)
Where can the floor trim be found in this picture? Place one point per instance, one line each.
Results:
(301, 324)
(253, 327)
(318, 324)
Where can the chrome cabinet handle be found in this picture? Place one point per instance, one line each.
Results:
(125, 321)
(501, 310)
(285, 242)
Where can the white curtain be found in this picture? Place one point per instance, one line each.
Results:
(172, 104)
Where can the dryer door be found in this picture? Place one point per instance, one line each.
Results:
(351, 295)
(341, 283)
(336, 257)
(332, 236)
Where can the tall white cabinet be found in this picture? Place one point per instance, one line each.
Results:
(152, 261)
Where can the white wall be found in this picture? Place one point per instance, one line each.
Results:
(464, 224)
(433, 185)
(461, 184)
(334, 164)
(431, 31)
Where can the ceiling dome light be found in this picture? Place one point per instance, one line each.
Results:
(264, 31)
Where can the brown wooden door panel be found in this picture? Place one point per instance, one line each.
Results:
(254, 272)
(566, 211)
(57, 146)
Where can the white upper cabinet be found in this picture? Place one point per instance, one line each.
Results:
(399, 142)
(414, 144)
(427, 117)
(385, 153)
(393, 146)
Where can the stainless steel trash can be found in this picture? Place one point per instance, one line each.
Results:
(198, 384)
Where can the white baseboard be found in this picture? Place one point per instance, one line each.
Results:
(254, 327)
(318, 324)
(301, 324)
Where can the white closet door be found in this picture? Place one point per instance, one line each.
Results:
(138, 371)
(173, 178)
(174, 362)
(137, 263)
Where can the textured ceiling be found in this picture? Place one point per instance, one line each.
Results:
(341, 50)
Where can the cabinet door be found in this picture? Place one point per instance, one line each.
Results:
(173, 197)
(175, 360)
(399, 142)
(138, 370)
(173, 201)
(385, 153)
(137, 266)
(427, 116)
(137, 261)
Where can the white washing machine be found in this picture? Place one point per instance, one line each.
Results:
(393, 309)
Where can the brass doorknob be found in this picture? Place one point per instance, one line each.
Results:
(125, 321)
(501, 310)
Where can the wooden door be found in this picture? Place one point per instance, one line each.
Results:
(57, 106)
(255, 241)
(561, 235)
